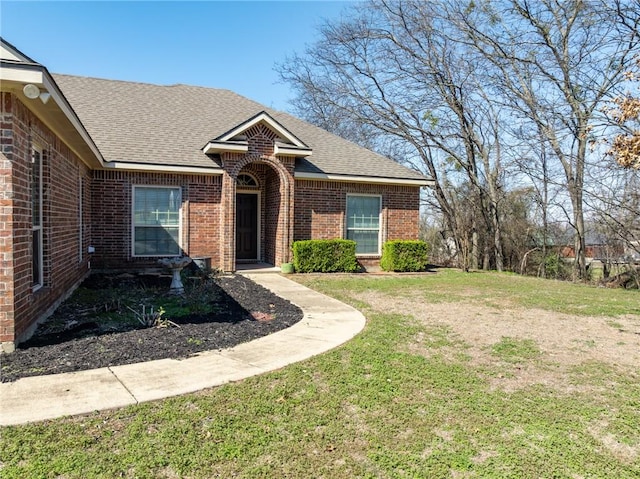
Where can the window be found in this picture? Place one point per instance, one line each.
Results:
(80, 217)
(363, 223)
(36, 216)
(156, 221)
(245, 180)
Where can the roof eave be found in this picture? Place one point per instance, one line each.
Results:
(157, 168)
(225, 147)
(285, 150)
(14, 75)
(301, 175)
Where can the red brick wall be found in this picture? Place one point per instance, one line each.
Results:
(111, 216)
(202, 199)
(6, 238)
(401, 206)
(64, 266)
(319, 213)
(320, 208)
(272, 216)
(261, 140)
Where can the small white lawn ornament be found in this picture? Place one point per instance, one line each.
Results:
(176, 265)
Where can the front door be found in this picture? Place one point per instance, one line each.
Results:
(246, 226)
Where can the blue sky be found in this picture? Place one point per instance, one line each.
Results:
(232, 45)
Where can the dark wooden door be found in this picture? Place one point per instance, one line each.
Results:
(246, 226)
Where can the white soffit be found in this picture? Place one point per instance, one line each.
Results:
(21, 75)
(14, 76)
(62, 103)
(263, 117)
(363, 179)
(8, 52)
(123, 165)
(287, 150)
(220, 147)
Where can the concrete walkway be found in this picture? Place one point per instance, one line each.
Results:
(326, 324)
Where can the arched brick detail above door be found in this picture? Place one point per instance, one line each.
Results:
(283, 167)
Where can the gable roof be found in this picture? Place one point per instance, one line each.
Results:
(9, 52)
(32, 83)
(169, 126)
(235, 139)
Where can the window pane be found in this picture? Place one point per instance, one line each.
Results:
(366, 241)
(363, 212)
(363, 223)
(36, 187)
(246, 180)
(36, 259)
(157, 206)
(156, 217)
(156, 241)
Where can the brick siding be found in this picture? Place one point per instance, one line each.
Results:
(112, 217)
(276, 186)
(320, 209)
(64, 258)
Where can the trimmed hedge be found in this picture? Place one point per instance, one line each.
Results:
(404, 256)
(325, 256)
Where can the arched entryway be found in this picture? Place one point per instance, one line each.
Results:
(259, 215)
(262, 148)
(248, 218)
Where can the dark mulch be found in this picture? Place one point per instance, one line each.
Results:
(243, 311)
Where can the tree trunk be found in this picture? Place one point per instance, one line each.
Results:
(475, 251)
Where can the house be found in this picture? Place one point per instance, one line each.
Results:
(598, 247)
(103, 174)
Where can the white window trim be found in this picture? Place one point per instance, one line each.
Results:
(81, 187)
(133, 222)
(39, 282)
(346, 222)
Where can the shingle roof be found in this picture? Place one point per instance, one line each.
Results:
(169, 125)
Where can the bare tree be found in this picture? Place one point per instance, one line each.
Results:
(615, 206)
(456, 89)
(394, 71)
(558, 62)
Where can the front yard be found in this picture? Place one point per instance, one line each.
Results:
(456, 375)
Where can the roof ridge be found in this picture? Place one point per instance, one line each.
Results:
(132, 82)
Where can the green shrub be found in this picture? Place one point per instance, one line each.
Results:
(325, 256)
(404, 256)
(556, 268)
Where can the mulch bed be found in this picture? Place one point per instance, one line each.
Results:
(244, 311)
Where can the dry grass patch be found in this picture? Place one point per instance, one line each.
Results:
(564, 340)
(626, 453)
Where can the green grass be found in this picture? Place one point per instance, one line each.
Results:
(486, 288)
(515, 350)
(369, 409)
